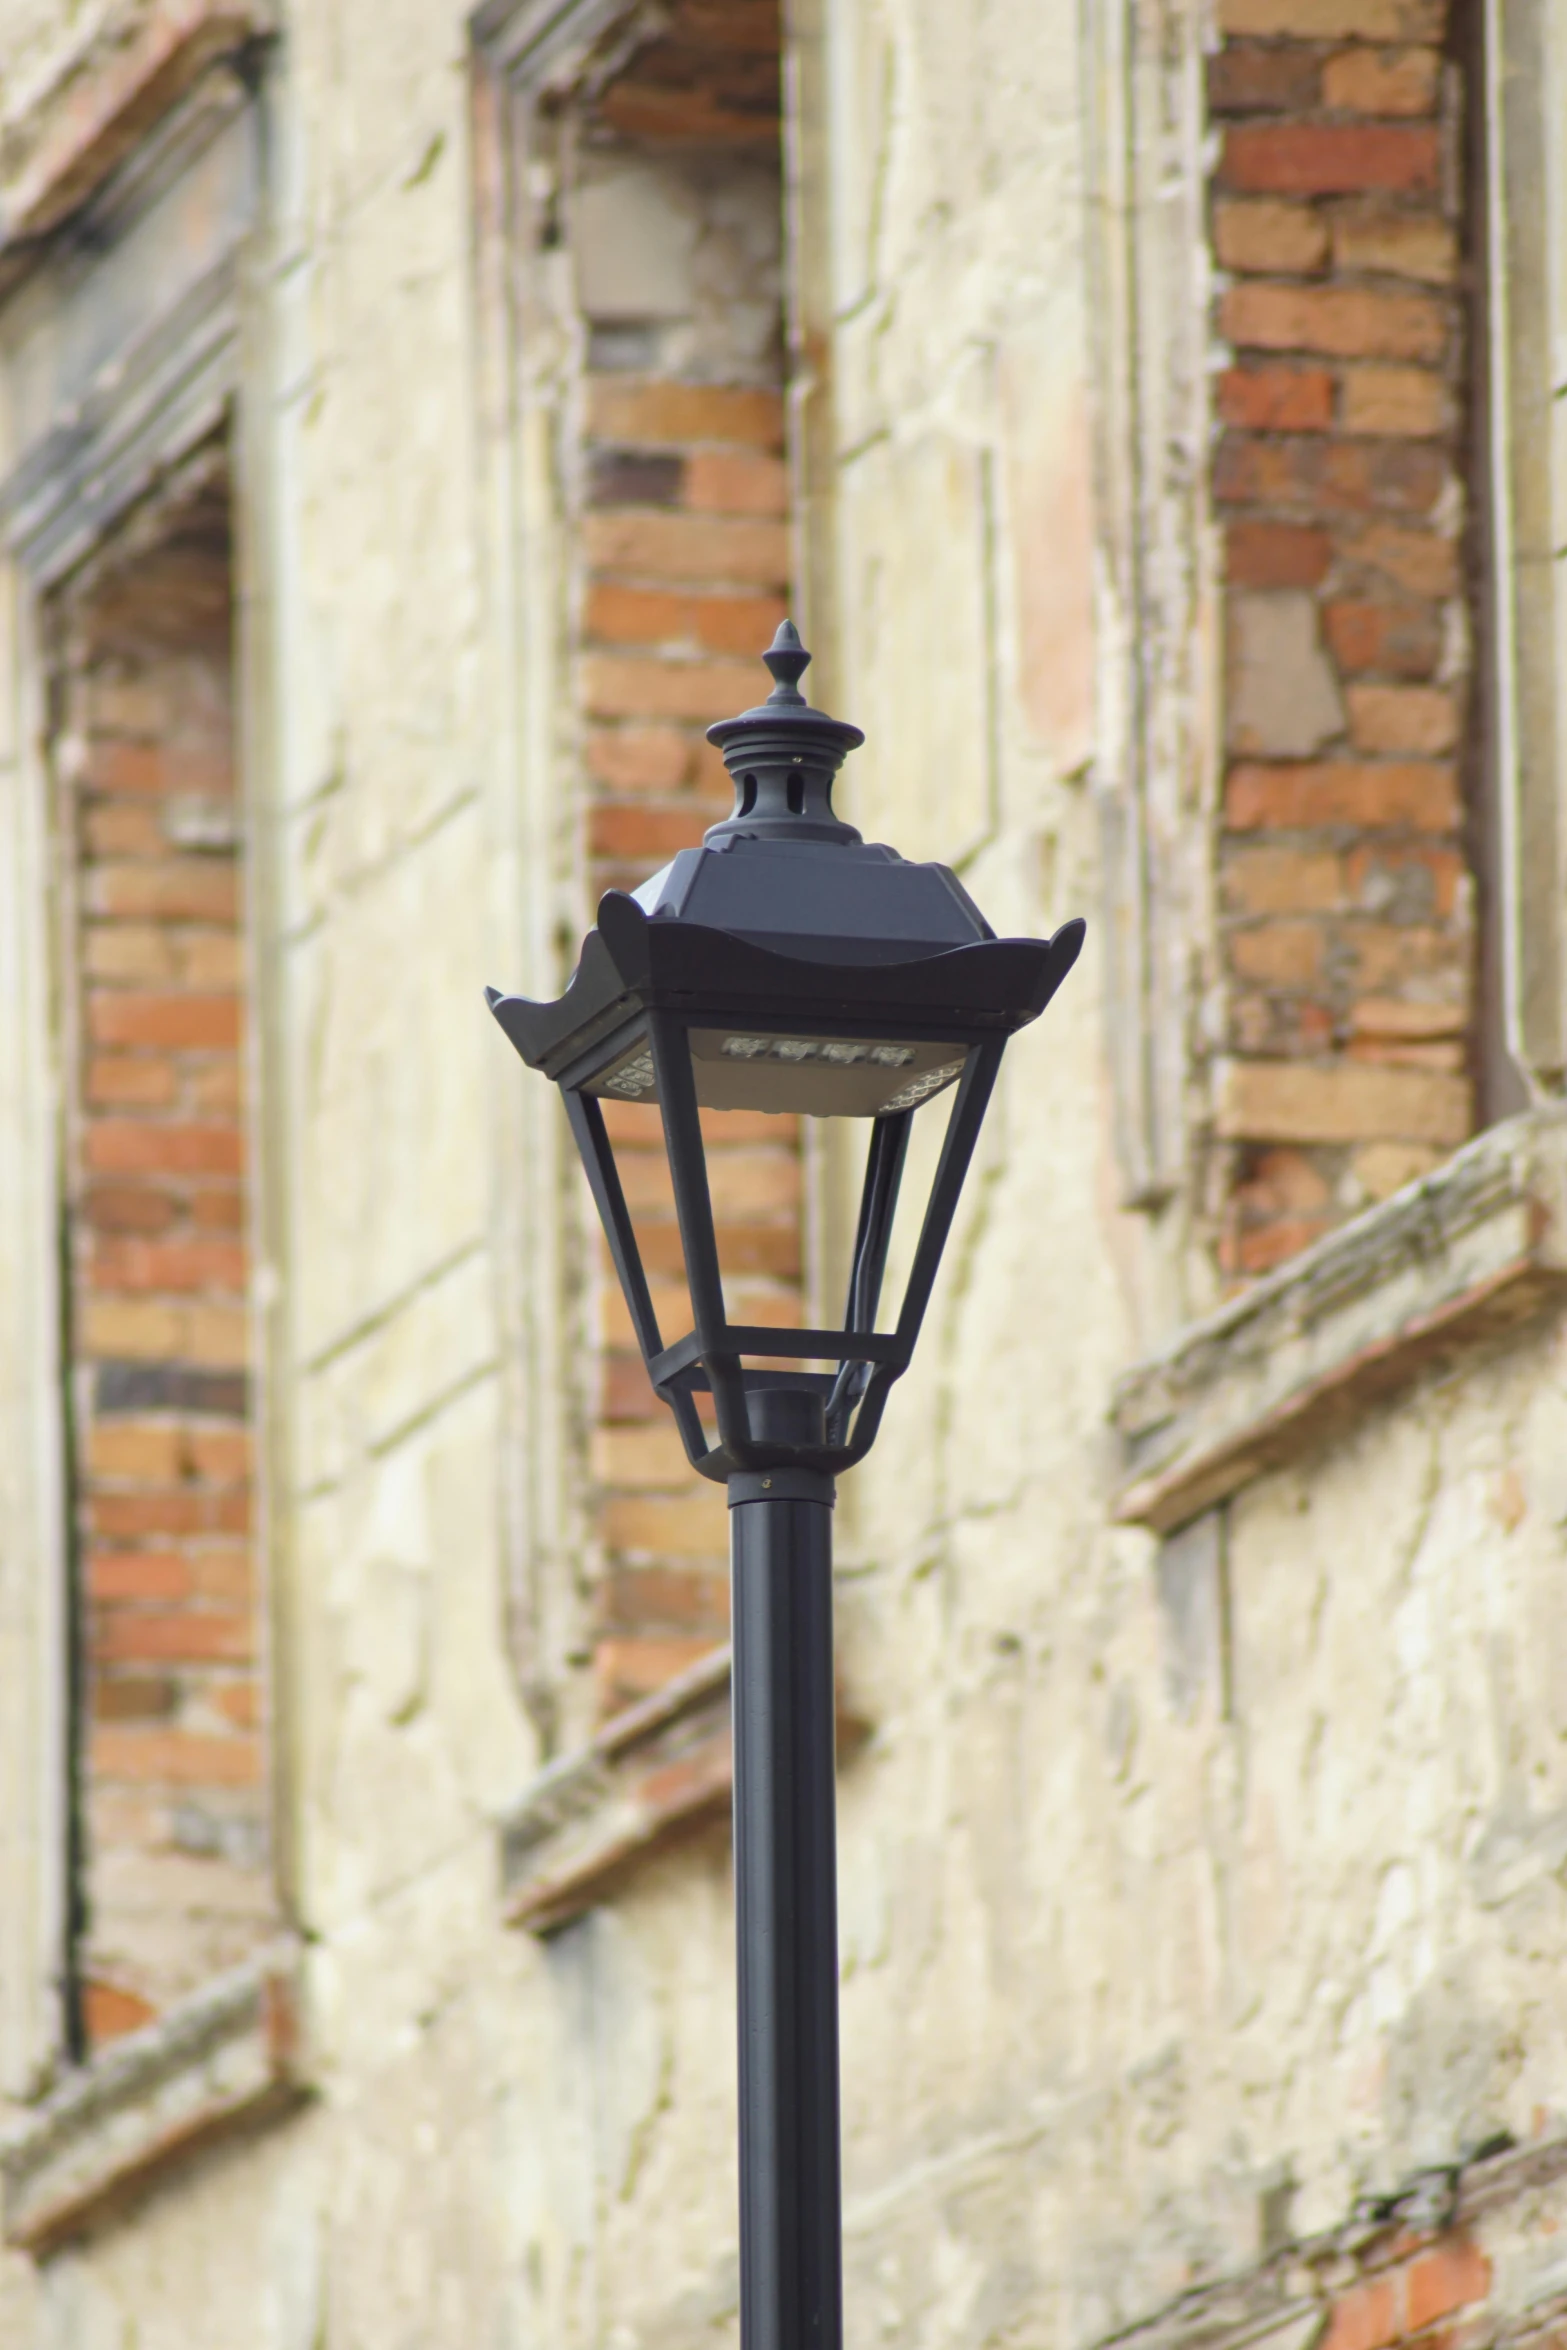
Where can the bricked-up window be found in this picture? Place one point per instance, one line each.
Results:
(1346, 884)
(676, 230)
(173, 1880)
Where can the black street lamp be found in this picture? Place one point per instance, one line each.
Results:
(786, 965)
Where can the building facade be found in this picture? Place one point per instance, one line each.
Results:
(414, 421)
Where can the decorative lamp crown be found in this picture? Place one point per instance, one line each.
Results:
(782, 757)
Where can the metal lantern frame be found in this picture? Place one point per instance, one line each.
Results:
(666, 979)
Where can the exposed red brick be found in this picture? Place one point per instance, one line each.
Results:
(1422, 882)
(1331, 159)
(144, 1575)
(216, 1211)
(125, 1146)
(222, 1571)
(1385, 1016)
(1404, 1053)
(1285, 1101)
(1276, 554)
(1345, 322)
(1402, 718)
(618, 686)
(639, 758)
(134, 1697)
(175, 1758)
(1331, 477)
(728, 482)
(1255, 1252)
(1389, 400)
(737, 624)
(1280, 1180)
(667, 1599)
(633, 1668)
(111, 1207)
(1401, 640)
(116, 766)
(642, 832)
(123, 828)
(1335, 20)
(1373, 240)
(210, 1022)
(1276, 399)
(679, 414)
(169, 1637)
(1422, 562)
(119, 1079)
(691, 547)
(1281, 954)
(220, 1456)
(1450, 2276)
(619, 615)
(1421, 794)
(1246, 77)
(170, 1265)
(196, 889)
(1282, 881)
(1382, 81)
(109, 2011)
(1270, 236)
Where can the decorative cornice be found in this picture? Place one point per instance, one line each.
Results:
(1476, 1248)
(1507, 2207)
(105, 98)
(225, 2059)
(539, 44)
(650, 1778)
(123, 420)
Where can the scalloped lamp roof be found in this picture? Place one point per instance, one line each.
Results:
(818, 972)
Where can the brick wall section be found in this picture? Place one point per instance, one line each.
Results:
(1345, 891)
(172, 1750)
(684, 565)
(686, 558)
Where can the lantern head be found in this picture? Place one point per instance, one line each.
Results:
(786, 965)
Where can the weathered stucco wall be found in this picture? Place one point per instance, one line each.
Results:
(1175, 1914)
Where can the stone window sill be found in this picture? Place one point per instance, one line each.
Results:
(652, 1776)
(1473, 1249)
(222, 2060)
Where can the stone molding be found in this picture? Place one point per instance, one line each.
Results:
(1474, 1248)
(539, 44)
(104, 100)
(653, 1775)
(1497, 2216)
(225, 2059)
(112, 430)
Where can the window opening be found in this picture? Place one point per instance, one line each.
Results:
(173, 1881)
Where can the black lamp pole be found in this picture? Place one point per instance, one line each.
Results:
(786, 1891)
(787, 966)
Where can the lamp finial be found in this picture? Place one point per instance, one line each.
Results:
(788, 660)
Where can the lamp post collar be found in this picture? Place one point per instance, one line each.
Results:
(782, 757)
